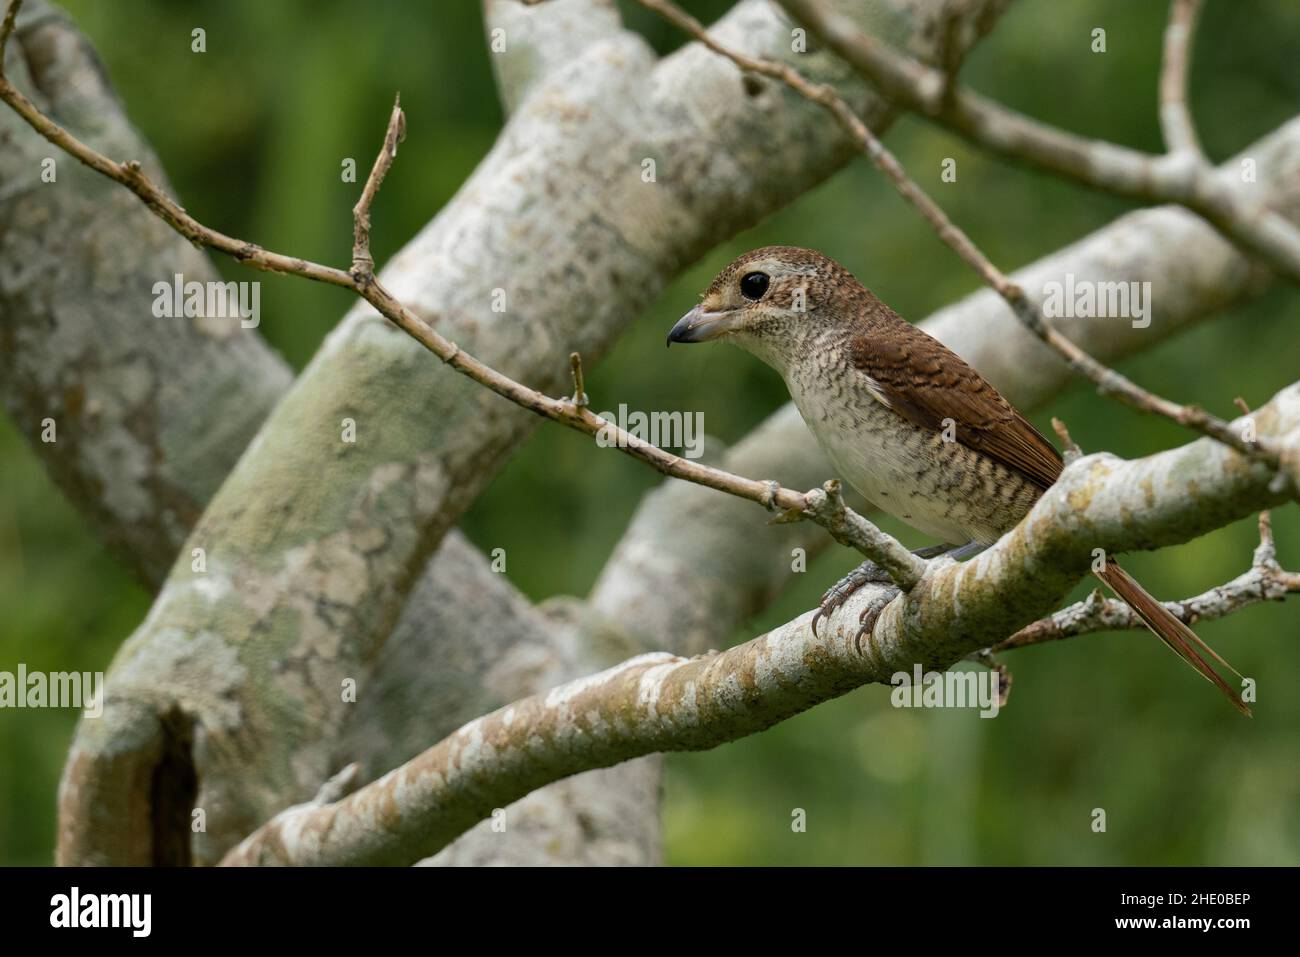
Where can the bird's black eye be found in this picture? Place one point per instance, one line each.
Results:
(753, 285)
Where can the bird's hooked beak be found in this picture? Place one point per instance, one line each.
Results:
(700, 325)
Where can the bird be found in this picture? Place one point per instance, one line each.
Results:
(903, 419)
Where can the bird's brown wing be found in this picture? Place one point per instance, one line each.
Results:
(925, 382)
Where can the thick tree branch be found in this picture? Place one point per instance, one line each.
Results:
(149, 412)
(657, 702)
(528, 45)
(466, 644)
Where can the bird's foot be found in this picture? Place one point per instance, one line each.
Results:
(868, 573)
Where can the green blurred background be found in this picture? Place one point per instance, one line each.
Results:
(252, 133)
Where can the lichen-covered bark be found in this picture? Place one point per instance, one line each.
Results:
(662, 702)
(149, 413)
(536, 41)
(313, 543)
(466, 644)
(723, 564)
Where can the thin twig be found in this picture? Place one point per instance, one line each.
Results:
(1070, 449)
(847, 527)
(7, 29)
(579, 386)
(363, 264)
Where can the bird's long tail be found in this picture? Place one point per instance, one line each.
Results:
(1181, 639)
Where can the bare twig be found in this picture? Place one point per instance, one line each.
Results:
(1265, 580)
(579, 386)
(849, 528)
(7, 29)
(1070, 450)
(363, 264)
(1107, 380)
(1175, 113)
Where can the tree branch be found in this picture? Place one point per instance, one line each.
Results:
(363, 264)
(1175, 114)
(149, 412)
(1265, 580)
(661, 702)
(538, 43)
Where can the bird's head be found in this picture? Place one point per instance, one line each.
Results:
(772, 302)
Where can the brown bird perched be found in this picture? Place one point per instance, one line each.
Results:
(903, 419)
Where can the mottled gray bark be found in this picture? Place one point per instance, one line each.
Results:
(149, 413)
(663, 702)
(530, 43)
(467, 643)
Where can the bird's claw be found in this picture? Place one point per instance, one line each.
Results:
(843, 590)
(867, 618)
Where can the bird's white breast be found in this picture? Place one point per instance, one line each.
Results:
(891, 462)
